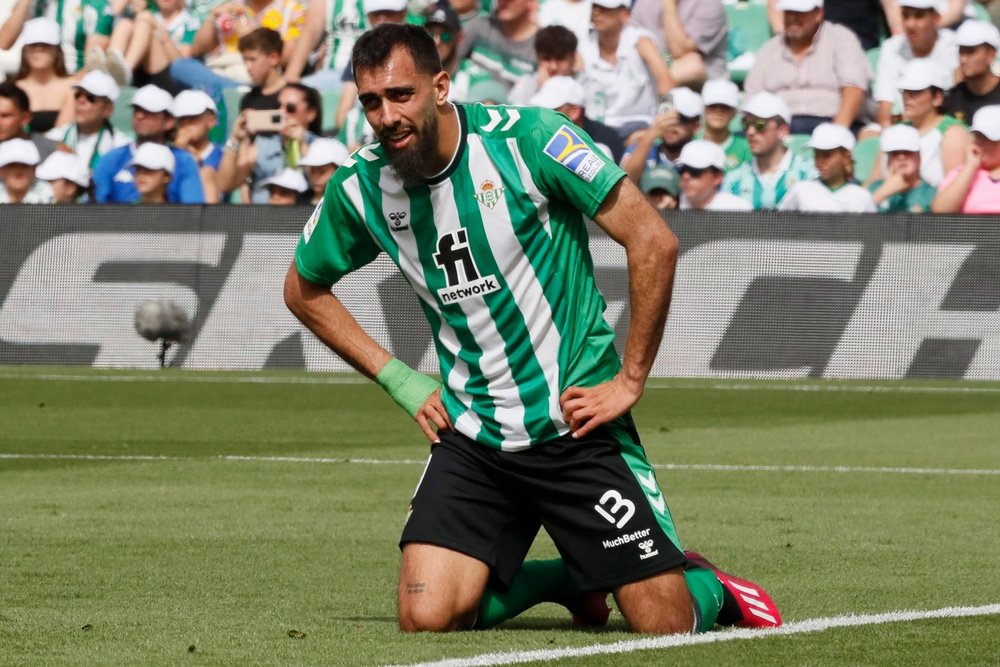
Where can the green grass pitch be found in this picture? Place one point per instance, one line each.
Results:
(200, 557)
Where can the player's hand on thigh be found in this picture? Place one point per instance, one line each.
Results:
(586, 408)
(432, 417)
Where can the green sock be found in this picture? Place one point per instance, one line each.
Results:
(537, 581)
(706, 591)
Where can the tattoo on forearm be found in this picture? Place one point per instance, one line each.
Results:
(416, 588)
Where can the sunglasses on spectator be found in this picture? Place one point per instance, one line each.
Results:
(90, 97)
(291, 107)
(444, 36)
(759, 124)
(694, 172)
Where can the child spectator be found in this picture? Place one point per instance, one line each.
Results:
(702, 166)
(662, 187)
(15, 117)
(624, 70)
(43, 75)
(154, 169)
(978, 43)
(90, 134)
(722, 100)
(974, 187)
(196, 115)
(774, 169)
(321, 162)
(565, 95)
(902, 191)
(555, 49)
(68, 176)
(18, 158)
(285, 188)
(677, 123)
(261, 51)
(835, 190)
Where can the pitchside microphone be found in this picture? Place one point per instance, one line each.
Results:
(161, 320)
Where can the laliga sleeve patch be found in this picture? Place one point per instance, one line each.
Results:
(566, 148)
(307, 232)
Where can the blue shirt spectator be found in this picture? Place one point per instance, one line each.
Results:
(114, 179)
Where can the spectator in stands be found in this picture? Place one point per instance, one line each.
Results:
(865, 18)
(321, 162)
(722, 101)
(702, 166)
(154, 169)
(943, 139)
(43, 75)
(15, 117)
(218, 38)
(143, 46)
(261, 51)
(922, 39)
(18, 185)
(252, 158)
(328, 35)
(902, 191)
(444, 26)
(624, 72)
(693, 33)
(114, 177)
(662, 187)
(501, 45)
(68, 177)
(84, 27)
(565, 95)
(834, 190)
(677, 123)
(90, 133)
(377, 12)
(774, 170)
(286, 187)
(974, 187)
(978, 43)
(555, 49)
(196, 115)
(574, 15)
(816, 67)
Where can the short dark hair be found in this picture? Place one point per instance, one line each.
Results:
(265, 40)
(555, 41)
(16, 95)
(315, 101)
(375, 46)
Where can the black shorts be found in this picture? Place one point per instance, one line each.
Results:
(597, 498)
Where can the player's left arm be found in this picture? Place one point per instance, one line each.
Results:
(651, 250)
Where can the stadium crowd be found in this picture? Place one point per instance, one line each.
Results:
(865, 106)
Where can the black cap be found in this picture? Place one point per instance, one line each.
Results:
(443, 14)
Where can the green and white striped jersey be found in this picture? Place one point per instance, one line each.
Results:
(496, 250)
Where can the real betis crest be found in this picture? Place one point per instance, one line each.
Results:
(489, 194)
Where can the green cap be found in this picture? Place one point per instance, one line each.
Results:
(661, 177)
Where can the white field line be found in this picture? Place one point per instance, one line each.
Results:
(674, 641)
(654, 384)
(377, 462)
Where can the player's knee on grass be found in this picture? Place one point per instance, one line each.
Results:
(659, 605)
(431, 615)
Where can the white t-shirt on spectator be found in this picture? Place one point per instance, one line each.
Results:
(896, 52)
(722, 201)
(572, 15)
(816, 197)
(622, 92)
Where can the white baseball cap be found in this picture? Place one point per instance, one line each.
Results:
(923, 73)
(18, 151)
(798, 5)
(100, 84)
(152, 99)
(557, 91)
(721, 91)
(768, 105)
(288, 178)
(701, 154)
(974, 33)
(154, 156)
(612, 4)
(900, 138)
(372, 6)
(986, 122)
(41, 31)
(921, 4)
(687, 102)
(827, 136)
(192, 103)
(60, 164)
(323, 152)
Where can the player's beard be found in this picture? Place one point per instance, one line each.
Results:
(410, 163)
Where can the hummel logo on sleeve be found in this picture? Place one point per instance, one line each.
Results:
(566, 148)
